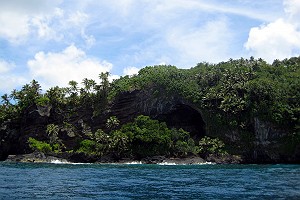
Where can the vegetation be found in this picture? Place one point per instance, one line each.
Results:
(141, 138)
(39, 145)
(235, 92)
(208, 146)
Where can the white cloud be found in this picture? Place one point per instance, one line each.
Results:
(210, 42)
(77, 19)
(42, 20)
(8, 78)
(279, 39)
(14, 26)
(113, 77)
(176, 32)
(16, 16)
(5, 66)
(292, 7)
(130, 70)
(53, 69)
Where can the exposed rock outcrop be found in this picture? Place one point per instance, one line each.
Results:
(173, 110)
(36, 157)
(260, 146)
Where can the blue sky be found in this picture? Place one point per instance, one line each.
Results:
(54, 41)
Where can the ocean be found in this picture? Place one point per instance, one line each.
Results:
(139, 181)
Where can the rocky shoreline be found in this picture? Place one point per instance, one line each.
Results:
(38, 157)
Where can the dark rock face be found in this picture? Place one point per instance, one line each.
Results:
(172, 109)
(175, 111)
(9, 136)
(35, 157)
(185, 117)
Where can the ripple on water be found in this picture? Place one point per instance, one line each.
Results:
(138, 181)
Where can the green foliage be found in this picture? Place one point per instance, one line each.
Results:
(148, 137)
(87, 147)
(233, 93)
(209, 145)
(69, 128)
(52, 131)
(119, 143)
(184, 148)
(42, 101)
(57, 147)
(112, 123)
(39, 145)
(159, 78)
(101, 137)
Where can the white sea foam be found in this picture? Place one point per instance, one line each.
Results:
(59, 162)
(134, 163)
(173, 163)
(167, 163)
(66, 162)
(205, 163)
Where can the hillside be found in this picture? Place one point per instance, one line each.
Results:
(245, 108)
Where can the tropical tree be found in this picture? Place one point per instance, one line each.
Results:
(209, 145)
(52, 131)
(112, 122)
(5, 100)
(104, 81)
(119, 143)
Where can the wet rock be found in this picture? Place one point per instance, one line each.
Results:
(153, 160)
(36, 157)
(185, 161)
(224, 159)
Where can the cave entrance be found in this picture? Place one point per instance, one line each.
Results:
(185, 117)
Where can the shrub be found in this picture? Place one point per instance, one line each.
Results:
(209, 145)
(39, 145)
(87, 147)
(42, 101)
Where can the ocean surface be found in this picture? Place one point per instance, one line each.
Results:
(138, 181)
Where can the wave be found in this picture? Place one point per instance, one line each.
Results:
(133, 163)
(56, 161)
(167, 163)
(173, 163)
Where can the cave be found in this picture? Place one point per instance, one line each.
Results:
(185, 117)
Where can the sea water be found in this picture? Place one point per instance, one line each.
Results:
(138, 181)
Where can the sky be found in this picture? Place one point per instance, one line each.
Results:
(55, 41)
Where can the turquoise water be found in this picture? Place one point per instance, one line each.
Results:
(95, 181)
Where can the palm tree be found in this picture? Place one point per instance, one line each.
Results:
(86, 84)
(73, 88)
(119, 142)
(52, 131)
(5, 100)
(104, 80)
(112, 123)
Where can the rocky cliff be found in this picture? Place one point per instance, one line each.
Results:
(265, 144)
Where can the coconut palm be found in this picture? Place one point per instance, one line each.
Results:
(112, 123)
(52, 131)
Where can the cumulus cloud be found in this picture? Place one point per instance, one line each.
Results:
(45, 20)
(292, 8)
(14, 26)
(16, 16)
(208, 43)
(9, 79)
(130, 70)
(71, 64)
(279, 39)
(5, 66)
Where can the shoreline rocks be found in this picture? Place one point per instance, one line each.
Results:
(38, 157)
(35, 157)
